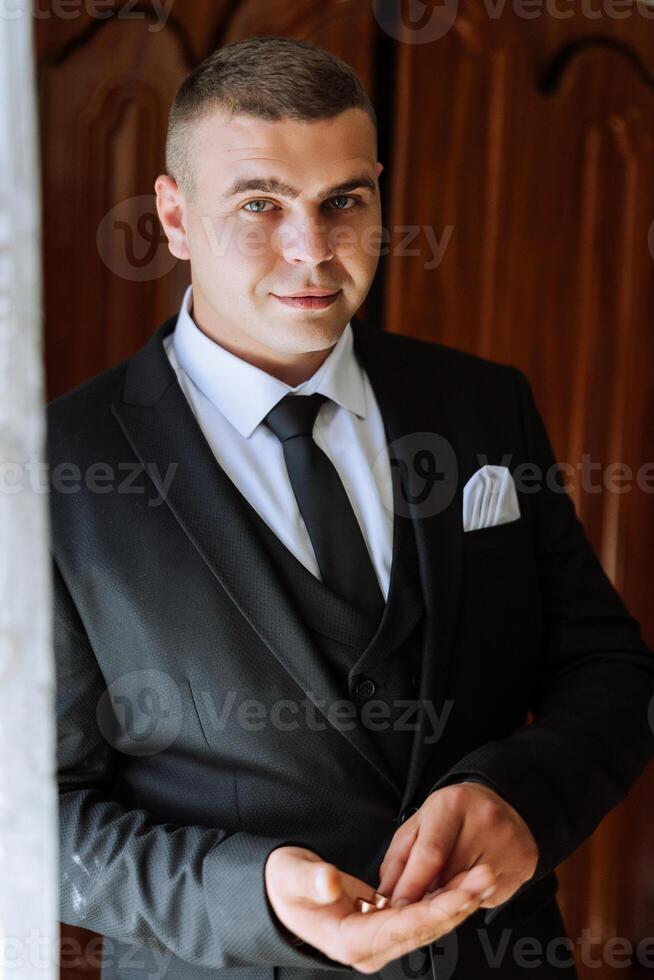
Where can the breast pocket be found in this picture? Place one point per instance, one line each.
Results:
(496, 534)
(502, 616)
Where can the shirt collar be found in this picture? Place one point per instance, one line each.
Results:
(244, 393)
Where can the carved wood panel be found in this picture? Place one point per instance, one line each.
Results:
(534, 176)
(108, 273)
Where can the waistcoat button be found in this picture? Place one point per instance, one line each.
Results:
(365, 689)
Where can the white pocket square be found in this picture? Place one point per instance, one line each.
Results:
(489, 497)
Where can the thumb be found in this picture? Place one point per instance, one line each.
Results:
(325, 882)
(306, 877)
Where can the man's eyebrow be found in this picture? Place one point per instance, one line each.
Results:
(271, 185)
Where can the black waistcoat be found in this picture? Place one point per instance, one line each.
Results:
(370, 662)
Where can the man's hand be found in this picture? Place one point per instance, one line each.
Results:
(456, 829)
(316, 901)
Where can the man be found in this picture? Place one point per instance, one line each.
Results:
(298, 642)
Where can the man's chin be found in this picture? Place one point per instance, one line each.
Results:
(305, 335)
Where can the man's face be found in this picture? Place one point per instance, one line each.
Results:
(313, 226)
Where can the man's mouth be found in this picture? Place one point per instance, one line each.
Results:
(311, 300)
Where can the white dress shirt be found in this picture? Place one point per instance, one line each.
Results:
(230, 397)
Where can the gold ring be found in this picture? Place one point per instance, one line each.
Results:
(379, 902)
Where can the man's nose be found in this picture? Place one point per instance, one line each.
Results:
(307, 241)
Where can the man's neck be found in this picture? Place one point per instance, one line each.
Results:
(292, 369)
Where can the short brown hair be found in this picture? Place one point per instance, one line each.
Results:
(270, 78)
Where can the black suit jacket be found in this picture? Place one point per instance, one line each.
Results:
(169, 617)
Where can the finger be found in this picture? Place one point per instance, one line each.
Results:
(430, 851)
(392, 932)
(396, 857)
(466, 879)
(478, 880)
(449, 883)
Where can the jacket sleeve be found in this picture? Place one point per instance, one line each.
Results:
(196, 892)
(593, 728)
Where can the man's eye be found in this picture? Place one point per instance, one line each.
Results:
(257, 207)
(258, 210)
(343, 197)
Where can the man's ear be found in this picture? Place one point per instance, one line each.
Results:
(380, 167)
(171, 208)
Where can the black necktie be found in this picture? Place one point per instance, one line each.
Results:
(335, 534)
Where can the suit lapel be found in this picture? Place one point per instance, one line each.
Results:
(163, 432)
(421, 438)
